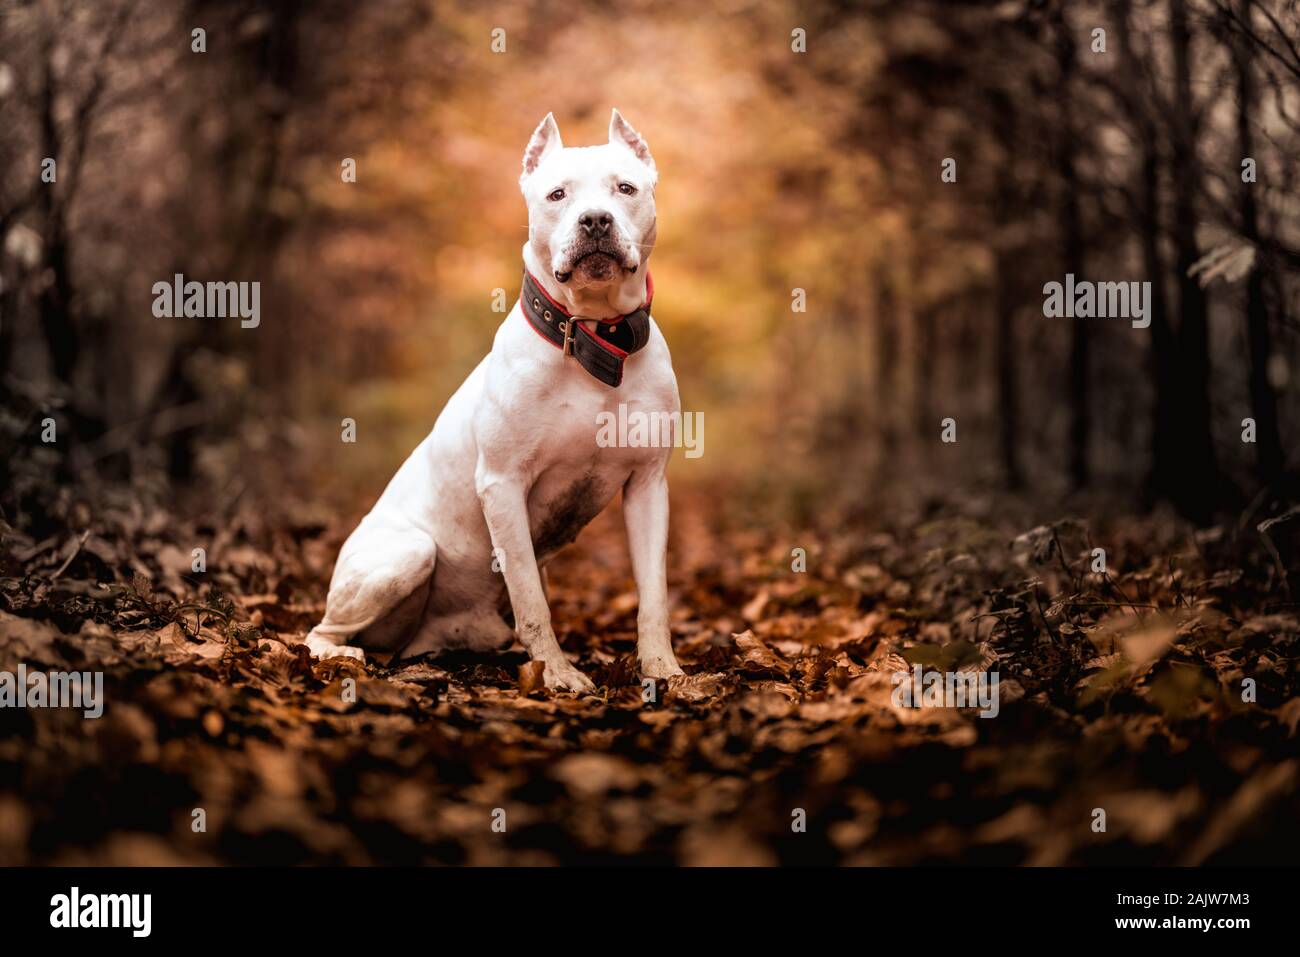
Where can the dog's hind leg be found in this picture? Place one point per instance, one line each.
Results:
(378, 590)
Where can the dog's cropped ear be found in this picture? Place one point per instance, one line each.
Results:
(546, 138)
(621, 132)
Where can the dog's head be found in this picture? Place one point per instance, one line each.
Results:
(591, 209)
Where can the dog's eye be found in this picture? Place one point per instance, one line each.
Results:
(555, 195)
(627, 189)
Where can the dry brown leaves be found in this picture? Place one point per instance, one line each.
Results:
(1122, 693)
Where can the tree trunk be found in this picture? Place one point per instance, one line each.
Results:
(1263, 401)
(887, 349)
(1164, 475)
(1073, 254)
(1198, 483)
(55, 296)
(1008, 372)
(927, 355)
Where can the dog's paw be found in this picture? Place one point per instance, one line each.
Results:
(323, 648)
(660, 668)
(562, 676)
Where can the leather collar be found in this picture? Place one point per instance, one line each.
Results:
(601, 352)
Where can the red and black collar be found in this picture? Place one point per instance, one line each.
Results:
(601, 352)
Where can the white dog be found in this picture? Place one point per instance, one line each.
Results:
(512, 470)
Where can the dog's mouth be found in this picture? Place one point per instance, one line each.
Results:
(595, 262)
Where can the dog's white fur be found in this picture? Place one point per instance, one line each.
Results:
(512, 470)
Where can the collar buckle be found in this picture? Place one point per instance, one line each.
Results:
(569, 334)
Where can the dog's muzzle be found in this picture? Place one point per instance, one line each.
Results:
(597, 242)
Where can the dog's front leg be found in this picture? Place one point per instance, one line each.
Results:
(645, 513)
(505, 508)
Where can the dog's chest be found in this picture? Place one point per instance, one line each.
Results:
(563, 504)
(547, 421)
(577, 478)
(580, 468)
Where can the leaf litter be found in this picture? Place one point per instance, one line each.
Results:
(1120, 691)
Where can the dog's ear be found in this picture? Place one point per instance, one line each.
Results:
(546, 138)
(621, 132)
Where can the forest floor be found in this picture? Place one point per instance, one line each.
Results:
(222, 741)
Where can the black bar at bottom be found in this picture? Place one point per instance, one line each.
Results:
(367, 906)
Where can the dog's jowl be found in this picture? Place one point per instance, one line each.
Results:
(513, 469)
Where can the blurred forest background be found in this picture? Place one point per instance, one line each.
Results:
(781, 170)
(1124, 686)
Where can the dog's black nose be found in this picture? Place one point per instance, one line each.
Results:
(595, 223)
